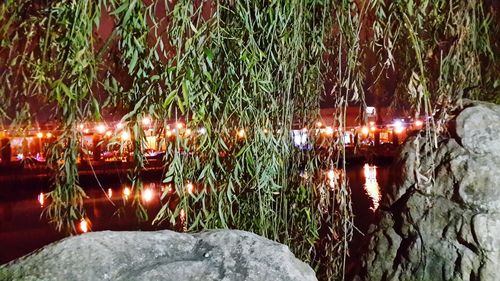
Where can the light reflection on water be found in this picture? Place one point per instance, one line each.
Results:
(371, 185)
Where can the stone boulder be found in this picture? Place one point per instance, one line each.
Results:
(444, 227)
(161, 255)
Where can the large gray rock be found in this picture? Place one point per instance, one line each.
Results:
(447, 228)
(161, 255)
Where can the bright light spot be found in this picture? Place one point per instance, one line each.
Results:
(190, 188)
(126, 192)
(419, 123)
(84, 226)
(147, 195)
(101, 128)
(372, 123)
(108, 134)
(41, 199)
(373, 128)
(125, 136)
(331, 175)
(39, 135)
(365, 130)
(146, 121)
(179, 125)
(329, 130)
(398, 127)
(265, 131)
(370, 110)
(187, 132)
(371, 185)
(110, 192)
(304, 130)
(169, 133)
(119, 126)
(202, 131)
(241, 133)
(86, 131)
(347, 138)
(49, 135)
(20, 156)
(319, 124)
(81, 126)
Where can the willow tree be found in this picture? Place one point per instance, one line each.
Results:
(247, 71)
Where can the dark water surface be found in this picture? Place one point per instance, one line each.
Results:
(24, 229)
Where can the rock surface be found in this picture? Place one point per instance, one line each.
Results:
(161, 255)
(447, 228)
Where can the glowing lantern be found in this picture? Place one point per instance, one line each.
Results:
(147, 195)
(126, 192)
(49, 135)
(179, 125)
(84, 226)
(39, 135)
(241, 133)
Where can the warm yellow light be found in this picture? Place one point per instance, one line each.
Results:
(399, 130)
(187, 132)
(265, 131)
(84, 226)
(101, 128)
(119, 126)
(329, 130)
(365, 130)
(419, 123)
(39, 135)
(86, 131)
(241, 133)
(146, 121)
(147, 195)
(319, 124)
(372, 123)
(108, 134)
(41, 199)
(179, 125)
(81, 126)
(125, 136)
(110, 192)
(331, 175)
(126, 192)
(371, 185)
(49, 135)
(169, 133)
(373, 128)
(190, 188)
